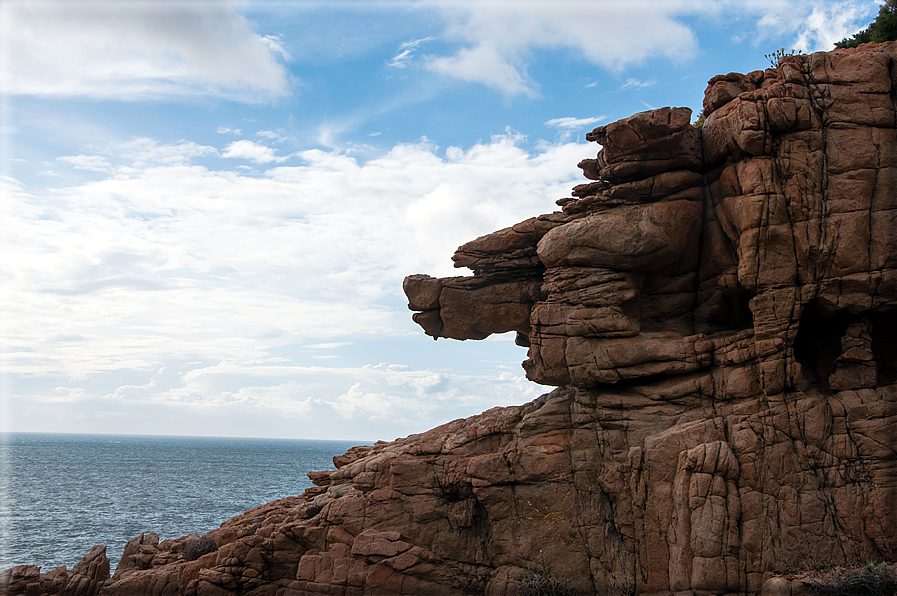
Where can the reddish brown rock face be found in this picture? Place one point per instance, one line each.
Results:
(690, 242)
(718, 309)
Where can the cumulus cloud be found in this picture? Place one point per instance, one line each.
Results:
(817, 25)
(827, 25)
(137, 49)
(253, 152)
(275, 44)
(234, 284)
(495, 40)
(496, 37)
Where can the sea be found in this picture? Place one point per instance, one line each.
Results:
(62, 494)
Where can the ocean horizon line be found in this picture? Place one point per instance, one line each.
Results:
(168, 436)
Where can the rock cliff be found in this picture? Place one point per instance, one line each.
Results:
(718, 309)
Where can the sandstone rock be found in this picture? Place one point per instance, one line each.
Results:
(87, 578)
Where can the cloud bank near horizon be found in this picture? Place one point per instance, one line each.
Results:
(160, 264)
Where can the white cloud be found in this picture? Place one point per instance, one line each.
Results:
(274, 44)
(569, 127)
(223, 130)
(632, 83)
(454, 153)
(497, 37)
(92, 163)
(252, 151)
(825, 26)
(574, 123)
(328, 346)
(143, 151)
(406, 53)
(817, 25)
(400, 60)
(486, 64)
(136, 49)
(271, 136)
(328, 133)
(253, 399)
(238, 282)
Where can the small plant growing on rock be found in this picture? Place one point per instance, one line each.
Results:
(875, 579)
(623, 587)
(200, 547)
(823, 564)
(777, 56)
(539, 583)
(248, 530)
(699, 120)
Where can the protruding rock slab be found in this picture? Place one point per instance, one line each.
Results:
(782, 204)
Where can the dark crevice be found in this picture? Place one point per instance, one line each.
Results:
(884, 348)
(818, 343)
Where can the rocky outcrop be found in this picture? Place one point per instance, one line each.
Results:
(86, 579)
(717, 309)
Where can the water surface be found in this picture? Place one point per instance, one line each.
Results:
(61, 494)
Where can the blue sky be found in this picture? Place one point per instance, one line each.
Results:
(209, 206)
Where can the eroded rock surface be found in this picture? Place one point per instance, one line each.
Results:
(87, 578)
(717, 310)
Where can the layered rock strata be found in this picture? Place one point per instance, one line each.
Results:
(717, 309)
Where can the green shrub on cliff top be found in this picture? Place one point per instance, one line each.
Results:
(884, 28)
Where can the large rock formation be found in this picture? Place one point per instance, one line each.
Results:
(717, 309)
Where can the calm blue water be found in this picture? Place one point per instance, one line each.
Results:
(61, 494)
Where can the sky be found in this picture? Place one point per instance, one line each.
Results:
(209, 206)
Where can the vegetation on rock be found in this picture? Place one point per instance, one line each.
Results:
(539, 583)
(200, 547)
(775, 58)
(874, 579)
(884, 28)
